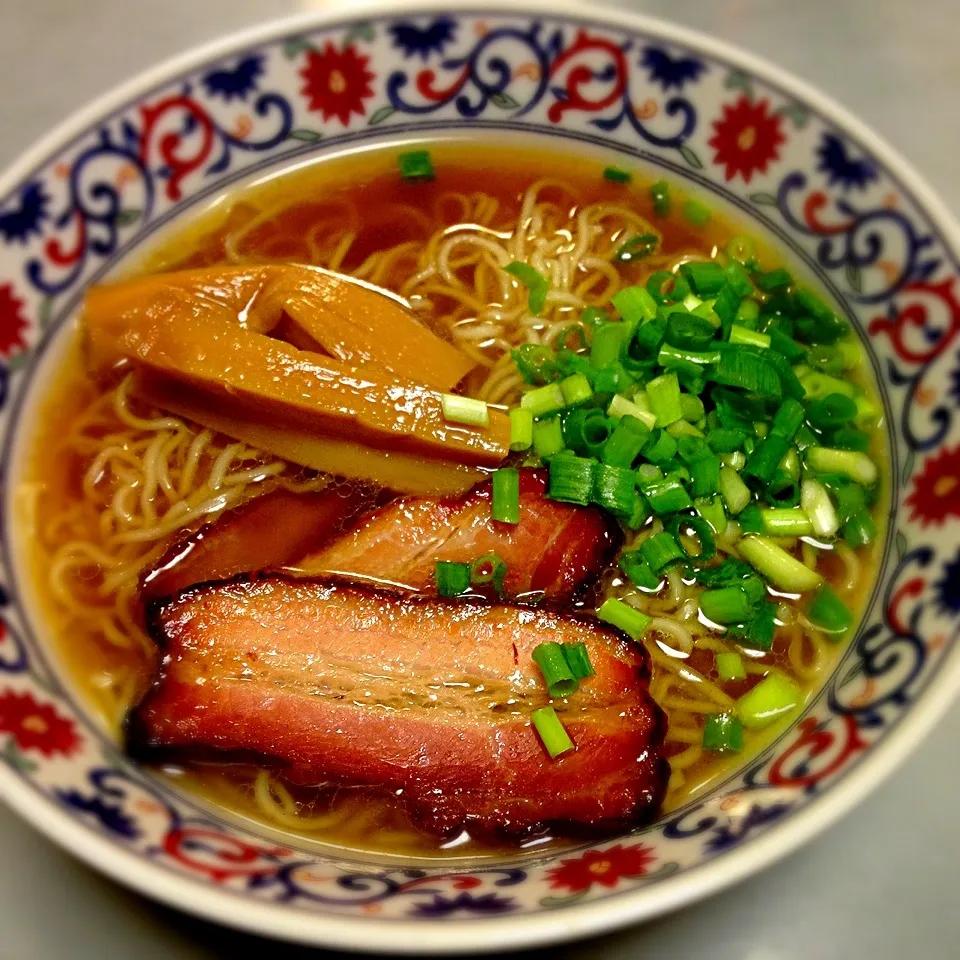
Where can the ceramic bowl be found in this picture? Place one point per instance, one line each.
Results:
(833, 197)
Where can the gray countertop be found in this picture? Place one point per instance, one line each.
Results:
(882, 883)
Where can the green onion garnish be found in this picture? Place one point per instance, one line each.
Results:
(635, 305)
(521, 429)
(547, 437)
(770, 699)
(829, 612)
(623, 446)
(660, 193)
(452, 579)
(638, 571)
(576, 389)
(730, 667)
(613, 488)
(415, 166)
(617, 175)
(571, 479)
(543, 401)
(819, 508)
(466, 410)
(706, 278)
(711, 509)
(505, 505)
(554, 737)
(624, 617)
(489, 568)
(534, 281)
(557, 675)
(774, 280)
(786, 522)
(607, 344)
(667, 495)
(705, 476)
(722, 733)
(740, 334)
(578, 658)
(781, 569)
(849, 463)
(663, 394)
(725, 605)
(636, 248)
(726, 440)
(735, 493)
(661, 551)
(621, 407)
(697, 213)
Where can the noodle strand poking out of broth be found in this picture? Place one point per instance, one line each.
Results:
(114, 482)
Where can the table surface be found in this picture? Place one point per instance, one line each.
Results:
(883, 882)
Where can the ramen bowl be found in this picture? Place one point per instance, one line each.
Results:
(792, 166)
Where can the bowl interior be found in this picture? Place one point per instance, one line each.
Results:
(773, 155)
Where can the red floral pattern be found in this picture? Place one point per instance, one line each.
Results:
(746, 138)
(13, 323)
(337, 82)
(936, 490)
(37, 726)
(601, 867)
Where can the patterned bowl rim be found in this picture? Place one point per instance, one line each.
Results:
(391, 936)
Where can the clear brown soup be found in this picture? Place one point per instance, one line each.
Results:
(305, 216)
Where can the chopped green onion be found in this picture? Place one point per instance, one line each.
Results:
(860, 529)
(660, 193)
(613, 488)
(617, 175)
(536, 363)
(660, 447)
(829, 612)
(850, 463)
(725, 605)
(535, 282)
(547, 437)
(722, 733)
(637, 570)
(750, 519)
(661, 551)
(466, 410)
(596, 432)
(623, 446)
(624, 617)
(557, 675)
(849, 438)
(636, 248)
(574, 425)
(748, 371)
(571, 480)
(758, 632)
(790, 464)
(606, 344)
(692, 407)
(740, 334)
(741, 249)
(747, 313)
(763, 463)
(711, 509)
(783, 570)
(489, 568)
(578, 659)
(554, 737)
(688, 332)
(818, 506)
(705, 476)
(667, 288)
(822, 325)
(786, 345)
(505, 505)
(730, 667)
(688, 524)
(817, 385)
(868, 414)
(735, 493)
(706, 277)
(782, 490)
(415, 165)
(833, 410)
(521, 429)
(786, 522)
(451, 579)
(665, 496)
(543, 401)
(769, 700)
(634, 304)
(621, 407)
(697, 213)
(575, 389)
(774, 280)
(729, 570)
(725, 439)
(663, 393)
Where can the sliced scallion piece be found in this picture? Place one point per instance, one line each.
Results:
(451, 579)
(730, 667)
(769, 700)
(735, 493)
(415, 166)
(543, 401)
(547, 437)
(535, 282)
(661, 551)
(818, 506)
(850, 463)
(553, 736)
(557, 675)
(571, 479)
(635, 305)
(723, 733)
(521, 429)
(660, 194)
(505, 502)
(489, 568)
(829, 612)
(740, 334)
(617, 175)
(786, 522)
(624, 617)
(774, 563)
(465, 410)
(578, 658)
(726, 605)
(576, 389)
